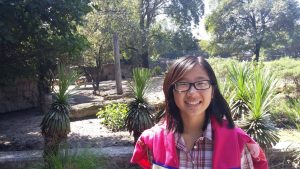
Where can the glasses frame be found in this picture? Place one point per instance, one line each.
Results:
(192, 84)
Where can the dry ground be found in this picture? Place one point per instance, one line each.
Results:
(21, 131)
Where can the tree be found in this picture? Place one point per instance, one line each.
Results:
(106, 18)
(118, 76)
(134, 21)
(183, 13)
(136, 29)
(241, 26)
(172, 43)
(34, 33)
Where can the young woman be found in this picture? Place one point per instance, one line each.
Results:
(198, 130)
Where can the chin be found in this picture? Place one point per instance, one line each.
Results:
(196, 113)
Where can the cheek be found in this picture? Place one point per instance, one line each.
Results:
(208, 96)
(177, 98)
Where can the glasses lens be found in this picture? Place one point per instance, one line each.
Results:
(202, 85)
(182, 86)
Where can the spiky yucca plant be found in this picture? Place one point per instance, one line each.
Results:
(258, 123)
(55, 125)
(239, 76)
(139, 117)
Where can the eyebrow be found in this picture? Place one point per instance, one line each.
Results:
(197, 79)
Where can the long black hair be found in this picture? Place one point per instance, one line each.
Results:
(218, 107)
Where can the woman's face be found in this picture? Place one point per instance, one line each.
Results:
(193, 102)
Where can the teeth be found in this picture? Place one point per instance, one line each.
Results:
(194, 102)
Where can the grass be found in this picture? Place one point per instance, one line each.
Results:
(84, 159)
(289, 135)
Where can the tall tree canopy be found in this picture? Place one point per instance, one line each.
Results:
(136, 21)
(106, 18)
(34, 33)
(183, 12)
(240, 26)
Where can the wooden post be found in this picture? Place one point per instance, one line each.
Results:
(118, 76)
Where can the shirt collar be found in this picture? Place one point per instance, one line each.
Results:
(207, 133)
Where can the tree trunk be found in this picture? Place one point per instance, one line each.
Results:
(145, 59)
(145, 53)
(118, 76)
(97, 74)
(51, 149)
(144, 10)
(43, 91)
(257, 50)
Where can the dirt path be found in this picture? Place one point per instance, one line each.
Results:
(21, 131)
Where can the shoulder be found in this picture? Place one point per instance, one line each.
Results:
(158, 128)
(156, 131)
(222, 129)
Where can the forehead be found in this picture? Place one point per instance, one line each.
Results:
(195, 73)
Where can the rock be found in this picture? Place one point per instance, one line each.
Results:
(85, 109)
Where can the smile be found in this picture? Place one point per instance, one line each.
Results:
(192, 102)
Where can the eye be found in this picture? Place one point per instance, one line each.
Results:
(202, 84)
(181, 86)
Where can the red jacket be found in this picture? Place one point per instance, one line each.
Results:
(228, 147)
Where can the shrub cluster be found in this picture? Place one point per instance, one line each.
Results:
(113, 116)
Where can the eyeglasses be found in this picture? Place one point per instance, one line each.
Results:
(185, 86)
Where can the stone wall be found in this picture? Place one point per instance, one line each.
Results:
(109, 72)
(22, 94)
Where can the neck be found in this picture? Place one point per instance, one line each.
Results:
(192, 129)
(193, 125)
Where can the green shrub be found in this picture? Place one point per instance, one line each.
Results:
(68, 160)
(294, 108)
(157, 70)
(284, 67)
(113, 116)
(219, 65)
(81, 161)
(286, 113)
(288, 70)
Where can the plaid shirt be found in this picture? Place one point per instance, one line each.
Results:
(200, 157)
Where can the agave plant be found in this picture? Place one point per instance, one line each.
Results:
(55, 125)
(227, 90)
(139, 117)
(239, 77)
(258, 123)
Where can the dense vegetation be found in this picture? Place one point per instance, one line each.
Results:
(36, 34)
(284, 109)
